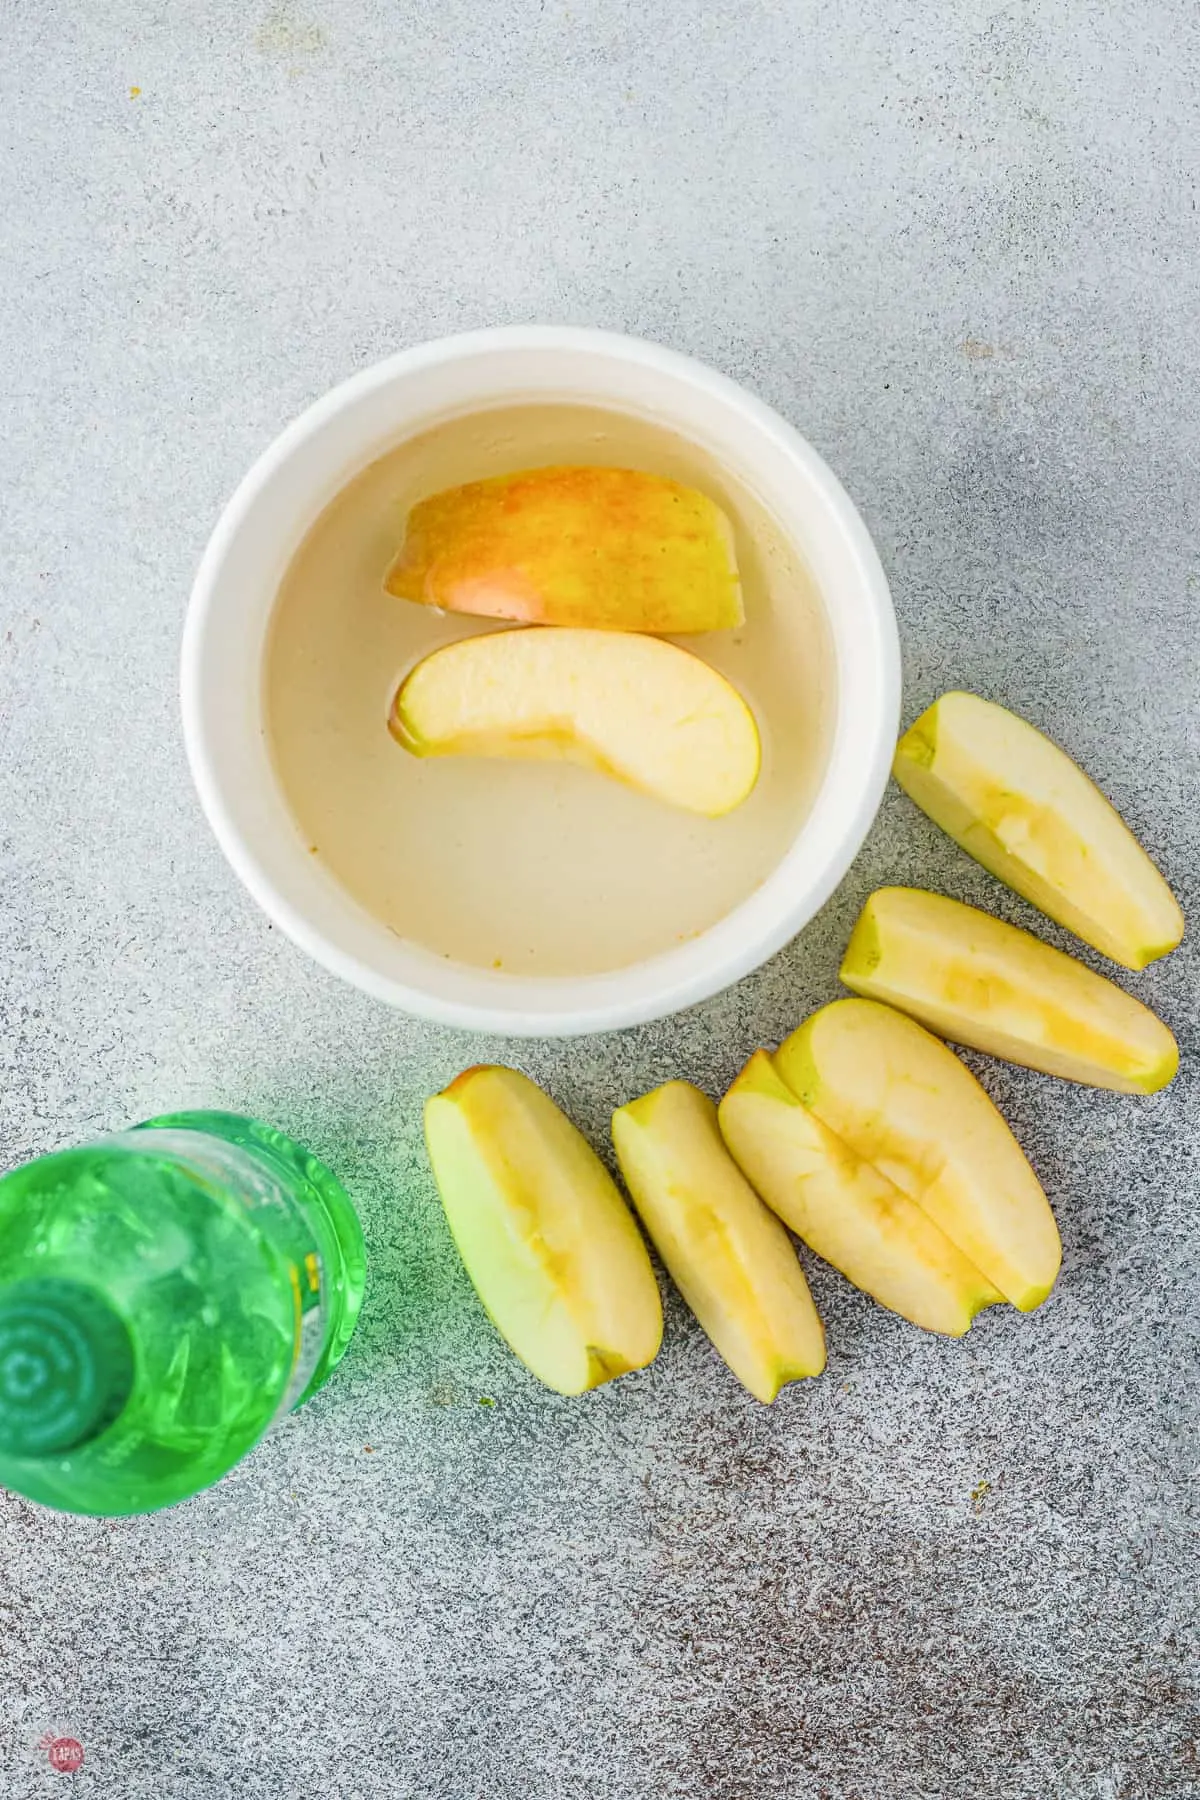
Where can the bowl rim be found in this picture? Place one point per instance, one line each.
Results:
(556, 1006)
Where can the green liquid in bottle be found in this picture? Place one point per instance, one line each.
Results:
(165, 1296)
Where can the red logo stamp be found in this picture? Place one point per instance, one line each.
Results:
(63, 1753)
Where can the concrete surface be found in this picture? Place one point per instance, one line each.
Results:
(958, 247)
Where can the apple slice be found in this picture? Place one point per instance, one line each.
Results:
(550, 1245)
(902, 1101)
(644, 711)
(615, 549)
(729, 1257)
(1021, 807)
(974, 979)
(845, 1209)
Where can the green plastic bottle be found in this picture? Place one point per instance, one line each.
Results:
(166, 1295)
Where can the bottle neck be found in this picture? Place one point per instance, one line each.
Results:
(66, 1366)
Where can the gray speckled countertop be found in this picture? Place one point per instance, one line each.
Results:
(958, 247)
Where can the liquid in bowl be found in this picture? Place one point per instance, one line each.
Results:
(541, 869)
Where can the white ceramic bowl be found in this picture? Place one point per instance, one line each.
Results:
(263, 524)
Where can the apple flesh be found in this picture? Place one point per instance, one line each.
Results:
(547, 1240)
(613, 549)
(978, 981)
(636, 708)
(846, 1209)
(1021, 807)
(730, 1258)
(902, 1101)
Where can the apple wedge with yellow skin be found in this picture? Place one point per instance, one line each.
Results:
(644, 711)
(551, 1247)
(611, 549)
(978, 981)
(729, 1257)
(903, 1102)
(1021, 807)
(845, 1209)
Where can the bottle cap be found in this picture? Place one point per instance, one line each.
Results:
(66, 1365)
